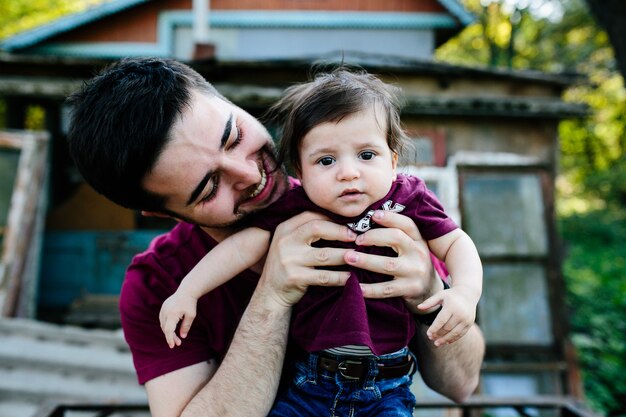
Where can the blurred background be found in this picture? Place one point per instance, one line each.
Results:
(517, 110)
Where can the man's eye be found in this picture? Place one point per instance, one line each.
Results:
(326, 161)
(238, 137)
(367, 155)
(215, 181)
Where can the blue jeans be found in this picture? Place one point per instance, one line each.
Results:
(319, 393)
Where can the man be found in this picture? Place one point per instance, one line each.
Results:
(153, 135)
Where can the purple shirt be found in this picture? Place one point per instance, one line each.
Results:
(328, 317)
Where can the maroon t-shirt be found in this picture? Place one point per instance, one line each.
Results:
(153, 276)
(328, 317)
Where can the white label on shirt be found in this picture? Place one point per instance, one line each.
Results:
(364, 224)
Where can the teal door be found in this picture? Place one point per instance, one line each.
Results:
(90, 262)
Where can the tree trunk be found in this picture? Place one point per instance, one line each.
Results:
(611, 15)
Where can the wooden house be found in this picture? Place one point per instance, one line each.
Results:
(486, 141)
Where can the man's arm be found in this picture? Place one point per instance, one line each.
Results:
(246, 381)
(458, 303)
(451, 370)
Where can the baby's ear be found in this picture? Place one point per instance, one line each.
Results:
(394, 164)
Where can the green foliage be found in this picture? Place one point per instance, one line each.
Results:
(35, 118)
(592, 183)
(595, 267)
(20, 15)
(509, 35)
(594, 149)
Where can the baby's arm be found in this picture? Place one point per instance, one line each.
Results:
(232, 256)
(458, 303)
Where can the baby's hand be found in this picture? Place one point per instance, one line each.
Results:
(177, 307)
(455, 318)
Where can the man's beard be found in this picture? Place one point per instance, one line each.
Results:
(242, 218)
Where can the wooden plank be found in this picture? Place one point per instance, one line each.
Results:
(46, 332)
(40, 362)
(565, 405)
(21, 221)
(26, 303)
(38, 86)
(512, 367)
(11, 140)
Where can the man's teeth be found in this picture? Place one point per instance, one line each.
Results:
(261, 185)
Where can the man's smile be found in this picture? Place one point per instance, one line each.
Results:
(261, 185)
(267, 190)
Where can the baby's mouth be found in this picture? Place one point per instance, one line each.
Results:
(352, 191)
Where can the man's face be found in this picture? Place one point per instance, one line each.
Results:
(218, 165)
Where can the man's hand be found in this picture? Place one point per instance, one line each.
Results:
(413, 276)
(291, 260)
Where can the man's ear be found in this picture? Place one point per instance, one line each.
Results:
(394, 164)
(297, 170)
(155, 214)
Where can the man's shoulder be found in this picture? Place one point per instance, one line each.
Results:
(183, 241)
(154, 274)
(168, 258)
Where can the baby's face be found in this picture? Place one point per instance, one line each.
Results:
(347, 166)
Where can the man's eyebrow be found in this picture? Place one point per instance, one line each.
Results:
(225, 135)
(227, 128)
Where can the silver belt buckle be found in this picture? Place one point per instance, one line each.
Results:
(343, 367)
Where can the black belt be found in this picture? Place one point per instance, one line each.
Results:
(357, 369)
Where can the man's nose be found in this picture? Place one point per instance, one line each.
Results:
(241, 173)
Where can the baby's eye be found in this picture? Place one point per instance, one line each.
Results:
(326, 161)
(367, 155)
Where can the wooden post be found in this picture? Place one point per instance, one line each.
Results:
(21, 221)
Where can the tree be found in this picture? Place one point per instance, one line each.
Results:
(18, 16)
(611, 15)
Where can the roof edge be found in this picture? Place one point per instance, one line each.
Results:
(400, 65)
(458, 10)
(66, 23)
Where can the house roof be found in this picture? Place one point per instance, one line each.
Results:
(65, 24)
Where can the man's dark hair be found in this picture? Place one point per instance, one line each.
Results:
(121, 121)
(330, 97)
